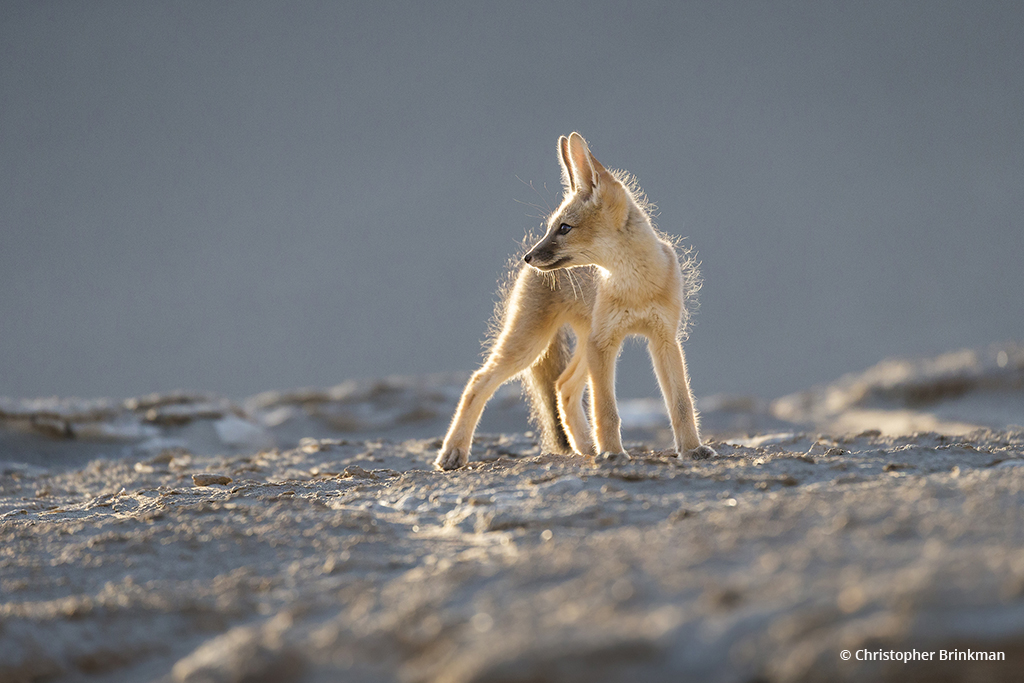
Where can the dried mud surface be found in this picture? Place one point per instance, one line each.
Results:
(355, 560)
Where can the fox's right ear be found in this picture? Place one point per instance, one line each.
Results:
(566, 164)
(582, 165)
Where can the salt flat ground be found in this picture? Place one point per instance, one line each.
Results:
(356, 561)
(353, 559)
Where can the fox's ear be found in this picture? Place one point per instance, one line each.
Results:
(583, 166)
(566, 164)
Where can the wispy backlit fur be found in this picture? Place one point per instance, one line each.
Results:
(601, 272)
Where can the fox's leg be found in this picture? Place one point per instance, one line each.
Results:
(602, 352)
(670, 366)
(570, 388)
(540, 383)
(530, 323)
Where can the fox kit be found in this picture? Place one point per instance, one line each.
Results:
(602, 271)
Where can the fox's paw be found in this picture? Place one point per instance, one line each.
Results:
(612, 458)
(703, 453)
(451, 458)
(587, 448)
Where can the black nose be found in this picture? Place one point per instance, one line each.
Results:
(527, 258)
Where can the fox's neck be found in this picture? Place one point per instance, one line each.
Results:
(639, 252)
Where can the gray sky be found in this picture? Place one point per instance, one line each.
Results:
(233, 197)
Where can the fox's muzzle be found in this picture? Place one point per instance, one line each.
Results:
(541, 254)
(542, 257)
(538, 257)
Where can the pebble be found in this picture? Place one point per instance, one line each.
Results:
(210, 479)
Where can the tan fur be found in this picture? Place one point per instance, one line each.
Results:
(610, 275)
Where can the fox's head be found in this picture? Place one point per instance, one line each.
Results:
(596, 207)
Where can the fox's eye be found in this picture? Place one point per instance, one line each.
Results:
(564, 229)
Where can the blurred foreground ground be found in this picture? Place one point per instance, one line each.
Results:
(304, 536)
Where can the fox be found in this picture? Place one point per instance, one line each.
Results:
(600, 273)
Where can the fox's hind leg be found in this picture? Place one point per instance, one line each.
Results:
(530, 323)
(539, 384)
(570, 388)
(670, 366)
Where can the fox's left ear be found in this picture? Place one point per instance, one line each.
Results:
(566, 164)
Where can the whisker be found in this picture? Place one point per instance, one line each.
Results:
(572, 281)
(532, 206)
(547, 205)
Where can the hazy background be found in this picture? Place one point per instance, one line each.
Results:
(238, 196)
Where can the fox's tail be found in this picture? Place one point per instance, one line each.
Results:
(539, 387)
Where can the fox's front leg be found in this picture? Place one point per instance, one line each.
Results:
(601, 355)
(529, 325)
(515, 351)
(454, 451)
(670, 366)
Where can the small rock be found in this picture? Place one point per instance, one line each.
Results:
(167, 456)
(817, 448)
(680, 514)
(211, 479)
(723, 598)
(309, 445)
(357, 472)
